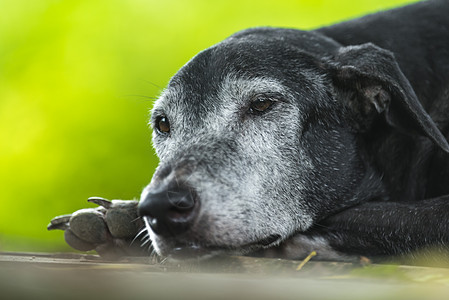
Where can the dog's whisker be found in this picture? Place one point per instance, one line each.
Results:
(163, 261)
(145, 242)
(154, 84)
(143, 232)
(136, 219)
(143, 96)
(133, 240)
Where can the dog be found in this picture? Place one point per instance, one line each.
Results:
(277, 142)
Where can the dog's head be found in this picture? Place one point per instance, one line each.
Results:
(258, 138)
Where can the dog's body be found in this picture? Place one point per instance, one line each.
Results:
(280, 141)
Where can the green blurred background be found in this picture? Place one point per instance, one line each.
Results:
(77, 79)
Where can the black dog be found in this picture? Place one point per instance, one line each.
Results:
(280, 141)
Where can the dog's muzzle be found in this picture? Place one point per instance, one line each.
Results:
(169, 209)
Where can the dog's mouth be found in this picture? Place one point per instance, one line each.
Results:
(197, 251)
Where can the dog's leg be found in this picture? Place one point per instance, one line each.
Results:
(383, 229)
(377, 230)
(111, 229)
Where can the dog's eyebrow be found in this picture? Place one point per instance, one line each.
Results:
(156, 110)
(159, 106)
(243, 88)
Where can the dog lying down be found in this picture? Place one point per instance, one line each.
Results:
(277, 142)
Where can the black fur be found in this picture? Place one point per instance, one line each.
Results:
(391, 72)
(414, 210)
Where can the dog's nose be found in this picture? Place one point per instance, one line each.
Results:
(169, 211)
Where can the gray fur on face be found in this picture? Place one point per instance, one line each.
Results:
(260, 178)
(243, 167)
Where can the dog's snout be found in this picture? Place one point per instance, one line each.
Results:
(169, 211)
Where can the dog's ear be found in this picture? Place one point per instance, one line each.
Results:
(370, 80)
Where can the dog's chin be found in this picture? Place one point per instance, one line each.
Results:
(197, 251)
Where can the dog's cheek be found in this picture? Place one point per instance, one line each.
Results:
(278, 178)
(337, 168)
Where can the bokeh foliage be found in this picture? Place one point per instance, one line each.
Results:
(77, 79)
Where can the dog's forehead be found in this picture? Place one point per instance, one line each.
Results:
(254, 53)
(258, 61)
(205, 75)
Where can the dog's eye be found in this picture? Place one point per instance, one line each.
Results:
(259, 105)
(162, 124)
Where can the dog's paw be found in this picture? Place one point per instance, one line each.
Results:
(109, 229)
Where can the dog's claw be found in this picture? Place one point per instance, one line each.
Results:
(107, 229)
(100, 201)
(59, 222)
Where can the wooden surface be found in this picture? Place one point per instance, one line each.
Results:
(77, 276)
